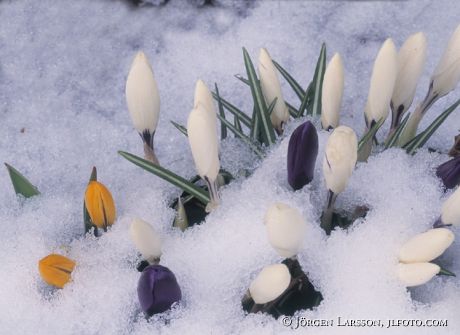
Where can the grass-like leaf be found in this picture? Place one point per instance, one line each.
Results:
(169, 176)
(370, 134)
(179, 127)
(223, 128)
(86, 218)
(268, 133)
(21, 184)
(298, 90)
(317, 84)
(272, 106)
(253, 146)
(294, 112)
(241, 78)
(445, 272)
(237, 123)
(246, 120)
(425, 135)
(393, 139)
(308, 98)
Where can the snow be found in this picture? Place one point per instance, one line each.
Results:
(63, 67)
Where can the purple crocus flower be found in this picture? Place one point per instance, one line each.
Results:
(301, 157)
(449, 172)
(157, 289)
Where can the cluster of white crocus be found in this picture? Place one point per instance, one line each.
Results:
(411, 59)
(202, 137)
(271, 89)
(414, 266)
(146, 240)
(143, 102)
(286, 229)
(450, 211)
(332, 92)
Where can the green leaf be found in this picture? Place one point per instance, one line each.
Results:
(223, 128)
(169, 176)
(268, 133)
(317, 84)
(20, 183)
(241, 78)
(246, 120)
(445, 272)
(299, 91)
(393, 139)
(370, 133)
(253, 146)
(272, 106)
(179, 127)
(255, 125)
(306, 100)
(88, 224)
(294, 112)
(237, 123)
(425, 135)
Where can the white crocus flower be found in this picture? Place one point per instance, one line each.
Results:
(447, 73)
(143, 102)
(332, 93)
(286, 229)
(146, 240)
(426, 246)
(202, 136)
(340, 158)
(270, 283)
(204, 96)
(411, 59)
(415, 274)
(271, 89)
(382, 83)
(450, 212)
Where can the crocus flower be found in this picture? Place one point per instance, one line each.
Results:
(271, 89)
(99, 204)
(411, 59)
(449, 172)
(56, 270)
(450, 212)
(202, 137)
(415, 274)
(340, 158)
(146, 240)
(286, 229)
(203, 96)
(270, 283)
(426, 246)
(447, 73)
(143, 102)
(332, 93)
(157, 289)
(382, 83)
(301, 157)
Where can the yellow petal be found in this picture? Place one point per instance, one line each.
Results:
(56, 269)
(100, 205)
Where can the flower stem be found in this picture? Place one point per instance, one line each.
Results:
(213, 194)
(326, 218)
(149, 154)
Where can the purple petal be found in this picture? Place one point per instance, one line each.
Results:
(157, 289)
(302, 153)
(449, 172)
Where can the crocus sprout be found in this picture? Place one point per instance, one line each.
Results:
(332, 93)
(286, 229)
(271, 89)
(143, 102)
(56, 270)
(100, 205)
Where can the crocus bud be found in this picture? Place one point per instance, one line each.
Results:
(415, 274)
(271, 89)
(270, 283)
(382, 83)
(447, 73)
(157, 289)
(146, 240)
(450, 212)
(301, 156)
(411, 59)
(142, 97)
(332, 93)
(286, 229)
(340, 158)
(56, 270)
(99, 204)
(203, 96)
(426, 246)
(449, 172)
